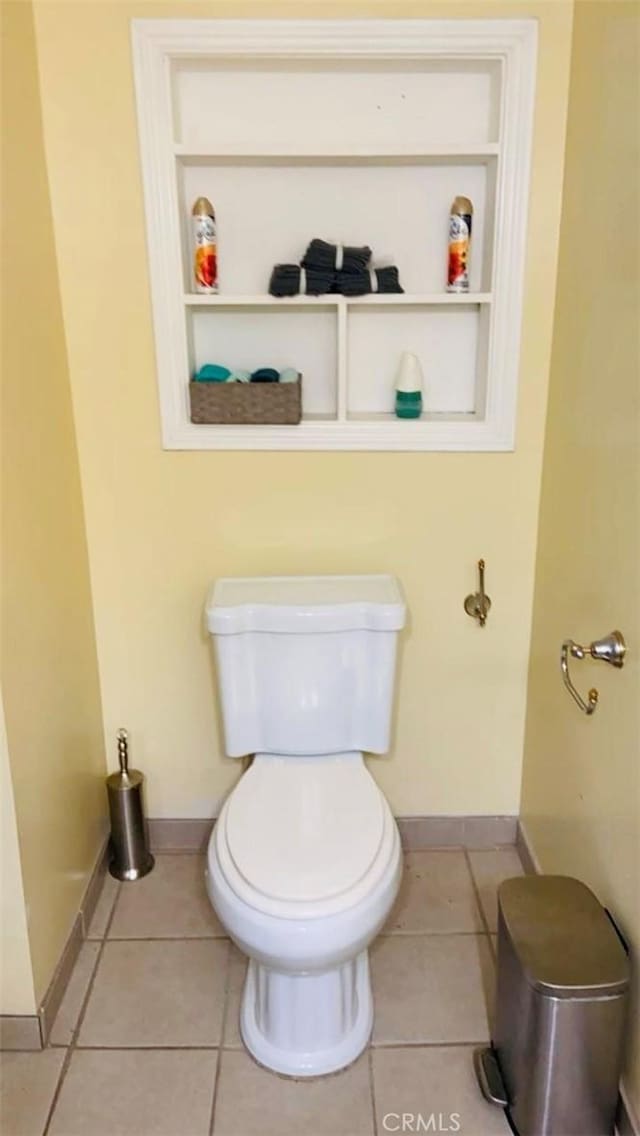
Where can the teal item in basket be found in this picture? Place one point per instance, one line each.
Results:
(265, 375)
(408, 404)
(212, 373)
(239, 377)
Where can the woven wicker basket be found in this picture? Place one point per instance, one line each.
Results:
(254, 404)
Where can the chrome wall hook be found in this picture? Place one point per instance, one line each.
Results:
(478, 604)
(610, 649)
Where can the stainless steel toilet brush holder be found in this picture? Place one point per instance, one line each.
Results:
(130, 855)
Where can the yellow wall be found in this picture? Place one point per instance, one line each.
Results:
(162, 525)
(17, 995)
(49, 669)
(581, 791)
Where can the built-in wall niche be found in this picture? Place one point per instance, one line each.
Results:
(357, 132)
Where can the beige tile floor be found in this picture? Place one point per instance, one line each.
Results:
(146, 1042)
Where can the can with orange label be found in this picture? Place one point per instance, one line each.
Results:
(459, 245)
(205, 254)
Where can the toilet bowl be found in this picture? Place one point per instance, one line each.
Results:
(304, 862)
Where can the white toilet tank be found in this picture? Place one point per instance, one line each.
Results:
(306, 663)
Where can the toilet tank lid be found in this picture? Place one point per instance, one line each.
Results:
(305, 604)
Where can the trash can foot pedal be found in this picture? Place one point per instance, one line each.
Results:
(490, 1077)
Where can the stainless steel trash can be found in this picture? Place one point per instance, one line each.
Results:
(562, 988)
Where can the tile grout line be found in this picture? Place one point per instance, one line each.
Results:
(372, 1090)
(174, 1048)
(428, 1044)
(476, 891)
(489, 1010)
(444, 934)
(492, 954)
(223, 1026)
(203, 1048)
(395, 934)
(216, 1086)
(225, 938)
(74, 1036)
(168, 939)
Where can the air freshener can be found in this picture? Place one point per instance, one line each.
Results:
(459, 244)
(205, 253)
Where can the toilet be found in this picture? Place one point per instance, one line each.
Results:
(304, 862)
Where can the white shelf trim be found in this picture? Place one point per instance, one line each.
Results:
(455, 433)
(371, 300)
(481, 39)
(445, 153)
(259, 300)
(418, 299)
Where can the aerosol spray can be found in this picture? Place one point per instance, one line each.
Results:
(459, 245)
(205, 253)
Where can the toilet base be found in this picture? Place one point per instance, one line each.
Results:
(307, 1025)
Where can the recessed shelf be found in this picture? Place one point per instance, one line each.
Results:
(417, 299)
(374, 300)
(347, 154)
(202, 300)
(411, 423)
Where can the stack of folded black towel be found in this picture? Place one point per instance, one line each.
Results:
(343, 269)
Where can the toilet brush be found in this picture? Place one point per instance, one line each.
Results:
(130, 855)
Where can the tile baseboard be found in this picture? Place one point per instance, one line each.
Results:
(422, 832)
(190, 834)
(58, 985)
(31, 1031)
(530, 861)
(56, 989)
(417, 832)
(94, 887)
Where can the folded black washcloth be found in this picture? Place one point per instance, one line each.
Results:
(362, 283)
(286, 281)
(342, 258)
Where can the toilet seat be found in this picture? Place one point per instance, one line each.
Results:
(305, 837)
